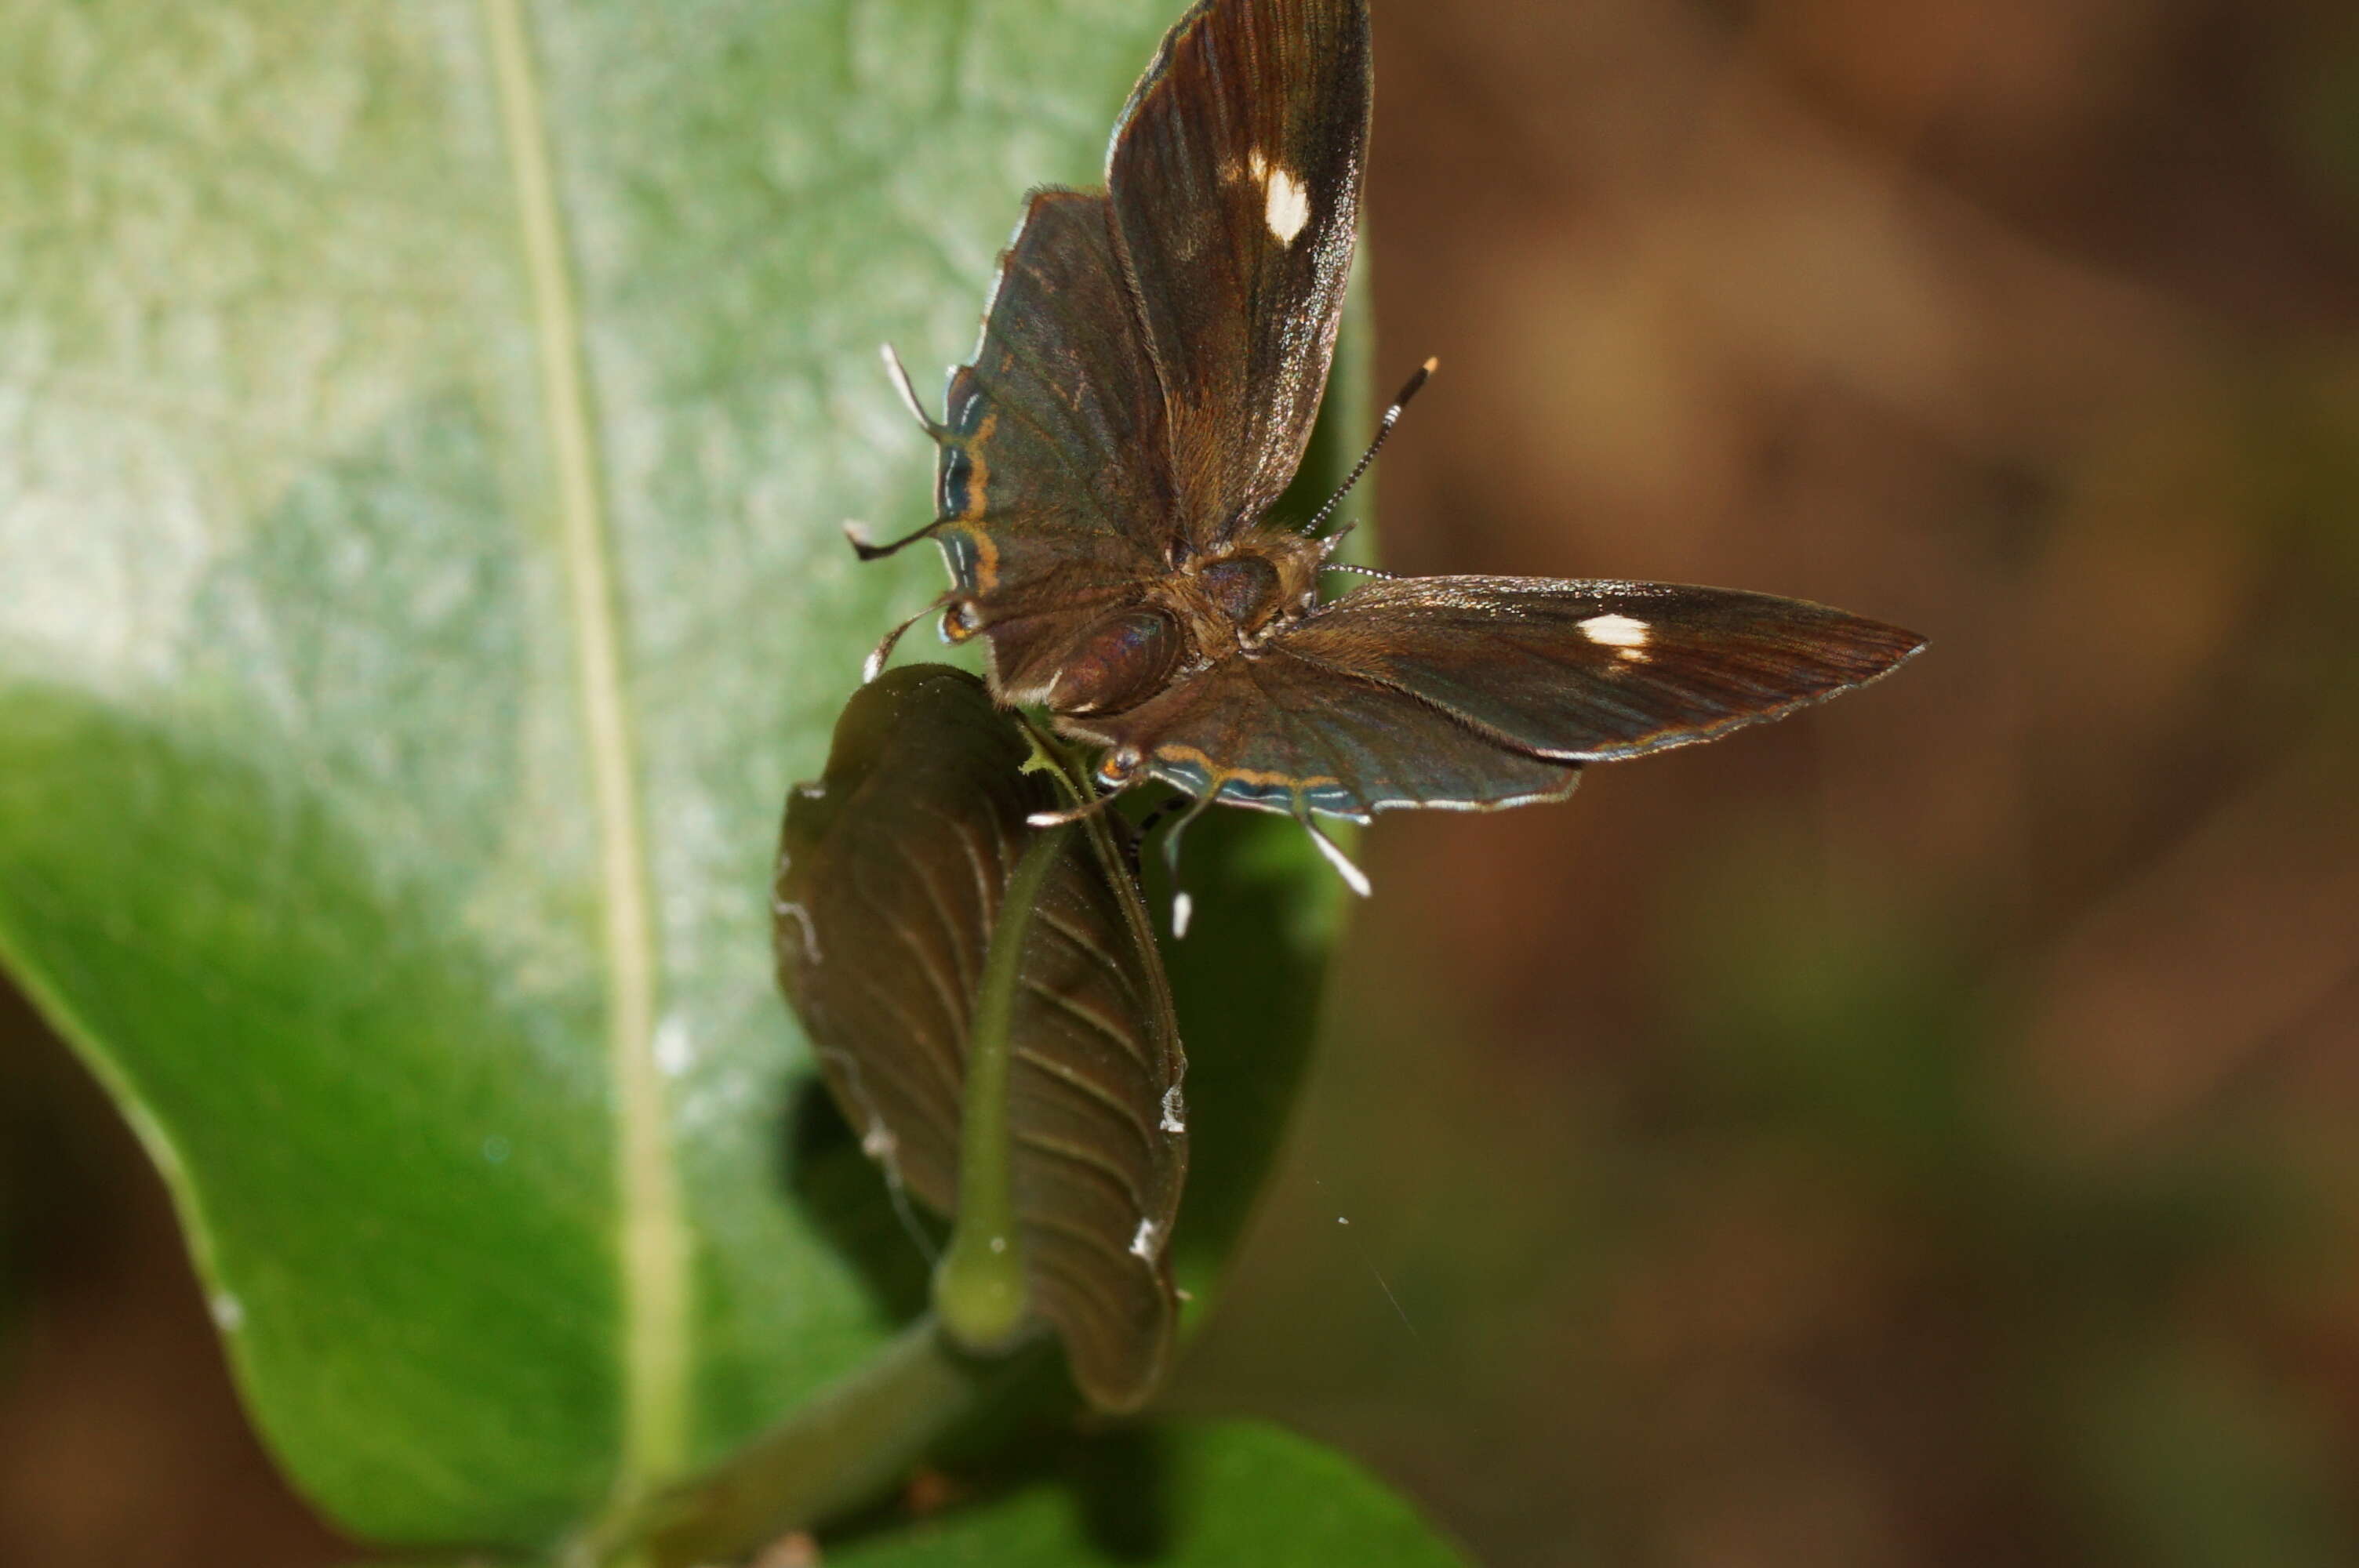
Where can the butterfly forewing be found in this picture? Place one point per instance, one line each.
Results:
(1053, 485)
(1236, 181)
(1596, 671)
(1474, 691)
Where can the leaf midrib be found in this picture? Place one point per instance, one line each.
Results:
(652, 1244)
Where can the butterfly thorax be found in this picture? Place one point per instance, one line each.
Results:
(1207, 608)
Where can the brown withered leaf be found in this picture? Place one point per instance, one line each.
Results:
(891, 873)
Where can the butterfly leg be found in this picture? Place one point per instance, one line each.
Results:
(1183, 908)
(1089, 808)
(873, 665)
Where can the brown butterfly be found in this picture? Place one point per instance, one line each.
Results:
(1152, 361)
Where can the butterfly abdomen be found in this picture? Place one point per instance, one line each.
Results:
(1118, 663)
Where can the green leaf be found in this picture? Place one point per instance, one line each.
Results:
(1182, 1495)
(423, 434)
(927, 934)
(1191, 1494)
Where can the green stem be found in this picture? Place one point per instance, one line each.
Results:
(979, 1284)
(847, 1447)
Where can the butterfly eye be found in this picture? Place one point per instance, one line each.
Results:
(961, 620)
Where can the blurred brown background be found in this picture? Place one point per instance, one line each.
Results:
(1919, 1133)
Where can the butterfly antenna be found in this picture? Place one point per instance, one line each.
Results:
(901, 383)
(1334, 542)
(1354, 877)
(1384, 429)
(1183, 908)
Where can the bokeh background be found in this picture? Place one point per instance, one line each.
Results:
(1919, 1133)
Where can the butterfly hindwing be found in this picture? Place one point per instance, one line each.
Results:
(1234, 177)
(1280, 734)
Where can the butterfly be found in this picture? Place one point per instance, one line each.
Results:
(1152, 359)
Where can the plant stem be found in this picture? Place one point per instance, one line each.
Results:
(979, 1284)
(847, 1447)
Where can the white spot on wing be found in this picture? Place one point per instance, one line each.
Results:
(1616, 630)
(1175, 1111)
(1142, 1243)
(228, 1312)
(1624, 633)
(1290, 206)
